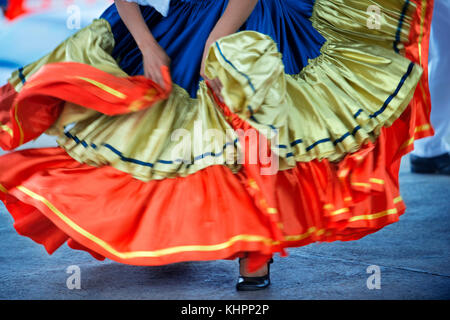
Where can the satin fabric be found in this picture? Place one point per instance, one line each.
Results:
(216, 212)
(183, 34)
(121, 95)
(416, 49)
(311, 123)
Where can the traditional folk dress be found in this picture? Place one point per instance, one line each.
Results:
(329, 95)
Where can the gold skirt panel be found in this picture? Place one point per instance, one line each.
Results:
(338, 102)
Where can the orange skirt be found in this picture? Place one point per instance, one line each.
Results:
(211, 214)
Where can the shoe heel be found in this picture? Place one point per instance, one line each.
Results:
(254, 283)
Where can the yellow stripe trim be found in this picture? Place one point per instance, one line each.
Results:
(104, 87)
(424, 94)
(266, 207)
(340, 211)
(252, 183)
(3, 189)
(138, 254)
(408, 143)
(16, 116)
(7, 129)
(398, 199)
(178, 249)
(422, 128)
(411, 140)
(378, 181)
(422, 24)
(301, 236)
(320, 232)
(374, 215)
(361, 184)
(343, 173)
(423, 13)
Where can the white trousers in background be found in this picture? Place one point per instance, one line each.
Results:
(439, 79)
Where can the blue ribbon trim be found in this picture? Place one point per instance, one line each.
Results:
(232, 65)
(294, 143)
(357, 128)
(143, 163)
(21, 76)
(400, 26)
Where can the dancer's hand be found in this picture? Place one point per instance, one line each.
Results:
(154, 57)
(215, 83)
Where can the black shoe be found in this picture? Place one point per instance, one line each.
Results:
(254, 283)
(439, 164)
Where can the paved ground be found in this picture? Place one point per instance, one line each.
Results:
(413, 254)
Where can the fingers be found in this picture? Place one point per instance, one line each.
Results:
(216, 86)
(154, 73)
(154, 60)
(157, 77)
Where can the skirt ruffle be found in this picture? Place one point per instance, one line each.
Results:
(211, 214)
(338, 130)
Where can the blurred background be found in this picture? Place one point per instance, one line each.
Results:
(29, 29)
(40, 28)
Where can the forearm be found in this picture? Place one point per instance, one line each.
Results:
(153, 56)
(131, 15)
(236, 13)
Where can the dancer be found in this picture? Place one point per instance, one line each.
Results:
(203, 130)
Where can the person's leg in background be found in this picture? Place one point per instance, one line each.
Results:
(432, 154)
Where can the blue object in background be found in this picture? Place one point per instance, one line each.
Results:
(31, 36)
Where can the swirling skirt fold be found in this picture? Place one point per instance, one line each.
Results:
(328, 142)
